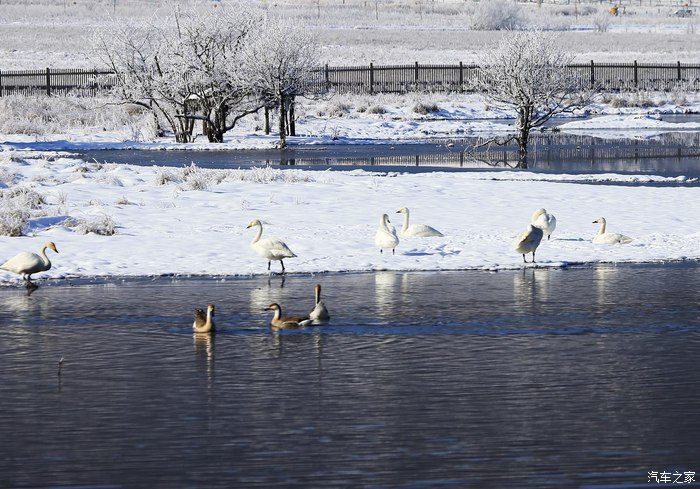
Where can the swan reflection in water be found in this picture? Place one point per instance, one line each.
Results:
(605, 283)
(204, 353)
(531, 287)
(385, 284)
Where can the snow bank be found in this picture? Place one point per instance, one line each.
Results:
(193, 221)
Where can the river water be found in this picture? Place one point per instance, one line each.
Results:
(670, 154)
(580, 377)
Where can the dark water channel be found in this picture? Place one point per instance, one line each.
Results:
(670, 154)
(579, 377)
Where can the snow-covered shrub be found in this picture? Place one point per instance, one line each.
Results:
(23, 197)
(6, 177)
(601, 21)
(103, 225)
(196, 178)
(16, 205)
(13, 221)
(376, 109)
(337, 109)
(163, 176)
(425, 108)
(267, 174)
(497, 15)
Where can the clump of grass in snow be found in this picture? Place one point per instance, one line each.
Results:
(16, 205)
(269, 175)
(13, 221)
(103, 225)
(376, 109)
(163, 176)
(335, 109)
(39, 115)
(196, 178)
(425, 108)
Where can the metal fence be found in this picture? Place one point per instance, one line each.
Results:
(382, 79)
(56, 82)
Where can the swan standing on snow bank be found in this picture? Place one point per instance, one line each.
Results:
(528, 241)
(386, 238)
(204, 323)
(608, 238)
(546, 222)
(270, 249)
(417, 230)
(281, 322)
(319, 313)
(26, 263)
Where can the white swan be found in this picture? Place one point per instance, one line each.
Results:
(204, 323)
(608, 238)
(319, 313)
(270, 249)
(528, 241)
(546, 222)
(417, 230)
(26, 263)
(385, 238)
(282, 322)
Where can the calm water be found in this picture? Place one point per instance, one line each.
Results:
(669, 154)
(526, 379)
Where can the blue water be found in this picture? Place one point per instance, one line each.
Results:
(582, 377)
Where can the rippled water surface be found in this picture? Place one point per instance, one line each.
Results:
(534, 378)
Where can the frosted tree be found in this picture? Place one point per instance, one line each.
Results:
(141, 59)
(527, 74)
(208, 54)
(278, 63)
(186, 67)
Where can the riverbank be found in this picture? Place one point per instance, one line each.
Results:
(192, 221)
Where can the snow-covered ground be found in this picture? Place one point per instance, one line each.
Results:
(329, 218)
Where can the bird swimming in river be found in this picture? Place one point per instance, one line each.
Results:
(608, 238)
(416, 230)
(528, 241)
(204, 322)
(26, 263)
(319, 313)
(545, 221)
(270, 248)
(283, 322)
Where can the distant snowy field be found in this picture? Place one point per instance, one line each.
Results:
(41, 33)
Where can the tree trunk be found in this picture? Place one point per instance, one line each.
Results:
(292, 125)
(282, 125)
(267, 120)
(215, 131)
(523, 139)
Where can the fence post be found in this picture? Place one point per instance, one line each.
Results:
(416, 75)
(592, 74)
(636, 77)
(0, 83)
(48, 81)
(328, 84)
(371, 78)
(461, 78)
(679, 71)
